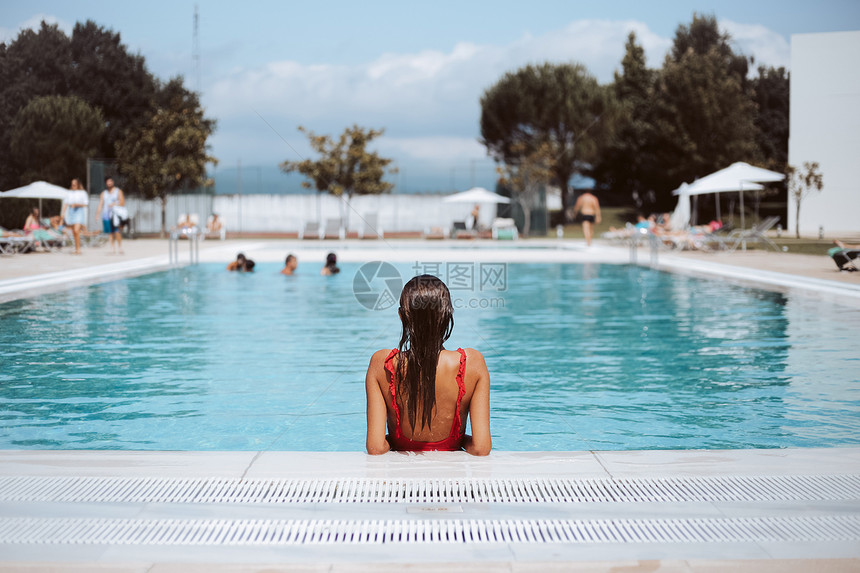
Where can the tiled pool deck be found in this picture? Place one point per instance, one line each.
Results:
(741, 510)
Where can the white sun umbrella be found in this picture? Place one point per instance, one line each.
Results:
(739, 177)
(37, 190)
(681, 215)
(476, 195)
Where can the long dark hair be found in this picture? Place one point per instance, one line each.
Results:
(427, 316)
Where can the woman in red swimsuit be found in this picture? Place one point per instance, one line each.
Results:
(423, 393)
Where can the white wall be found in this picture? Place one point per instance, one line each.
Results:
(825, 127)
(289, 213)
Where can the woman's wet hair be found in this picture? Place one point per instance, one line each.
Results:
(427, 319)
(331, 259)
(249, 265)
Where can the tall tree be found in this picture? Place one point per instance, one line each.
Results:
(93, 64)
(703, 114)
(345, 166)
(771, 93)
(626, 164)
(558, 105)
(36, 63)
(52, 137)
(169, 153)
(107, 76)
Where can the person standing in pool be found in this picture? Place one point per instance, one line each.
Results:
(423, 393)
(330, 267)
(290, 265)
(589, 206)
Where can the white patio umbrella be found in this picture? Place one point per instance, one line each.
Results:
(681, 215)
(37, 190)
(739, 177)
(476, 195)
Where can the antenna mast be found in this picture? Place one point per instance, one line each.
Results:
(195, 52)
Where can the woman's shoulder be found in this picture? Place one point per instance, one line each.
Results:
(472, 354)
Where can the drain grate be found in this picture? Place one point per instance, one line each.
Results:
(284, 491)
(305, 532)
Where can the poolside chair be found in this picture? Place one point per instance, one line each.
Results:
(459, 230)
(504, 229)
(219, 234)
(311, 230)
(435, 233)
(371, 229)
(12, 244)
(333, 229)
(757, 234)
(845, 259)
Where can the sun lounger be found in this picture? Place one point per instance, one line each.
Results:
(845, 259)
(220, 233)
(371, 229)
(333, 230)
(757, 234)
(311, 230)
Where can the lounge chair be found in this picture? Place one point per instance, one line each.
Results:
(311, 230)
(371, 229)
(460, 231)
(14, 242)
(333, 230)
(221, 233)
(757, 234)
(845, 259)
(435, 233)
(503, 228)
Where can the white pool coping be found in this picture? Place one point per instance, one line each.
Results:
(618, 465)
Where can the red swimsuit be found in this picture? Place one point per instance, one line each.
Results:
(454, 441)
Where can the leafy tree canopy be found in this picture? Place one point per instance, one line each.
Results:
(52, 137)
(169, 153)
(556, 105)
(345, 166)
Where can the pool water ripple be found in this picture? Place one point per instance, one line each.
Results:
(581, 357)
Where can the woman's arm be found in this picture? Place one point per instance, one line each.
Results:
(480, 442)
(121, 199)
(377, 412)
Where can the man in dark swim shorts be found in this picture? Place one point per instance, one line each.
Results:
(589, 206)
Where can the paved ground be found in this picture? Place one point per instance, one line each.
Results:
(810, 266)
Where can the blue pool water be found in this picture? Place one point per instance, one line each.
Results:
(581, 357)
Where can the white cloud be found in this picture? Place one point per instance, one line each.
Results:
(768, 47)
(429, 101)
(437, 149)
(33, 23)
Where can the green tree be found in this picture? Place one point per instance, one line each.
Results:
(703, 114)
(772, 94)
(626, 164)
(345, 166)
(93, 64)
(107, 76)
(801, 183)
(52, 137)
(558, 105)
(169, 153)
(36, 63)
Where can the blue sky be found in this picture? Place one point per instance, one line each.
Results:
(415, 69)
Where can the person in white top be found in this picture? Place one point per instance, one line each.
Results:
(75, 211)
(110, 198)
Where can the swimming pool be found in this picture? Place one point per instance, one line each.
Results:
(592, 356)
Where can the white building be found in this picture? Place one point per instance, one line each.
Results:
(825, 127)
